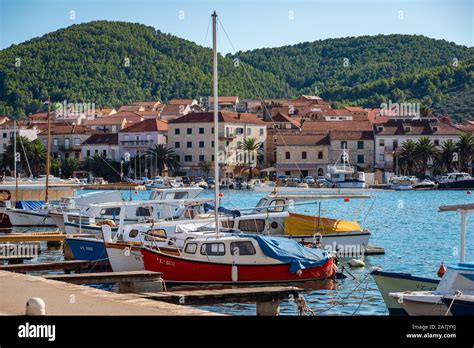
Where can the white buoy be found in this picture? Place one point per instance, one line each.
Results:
(356, 263)
(235, 273)
(35, 306)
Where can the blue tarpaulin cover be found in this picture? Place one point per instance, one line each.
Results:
(31, 205)
(233, 213)
(290, 251)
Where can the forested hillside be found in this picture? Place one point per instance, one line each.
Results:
(113, 63)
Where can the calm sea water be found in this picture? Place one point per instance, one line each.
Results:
(416, 238)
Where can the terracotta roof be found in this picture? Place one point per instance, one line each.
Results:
(417, 127)
(350, 135)
(39, 116)
(225, 99)
(102, 121)
(105, 111)
(355, 109)
(129, 108)
(224, 116)
(311, 126)
(281, 117)
(173, 109)
(67, 129)
(104, 139)
(303, 139)
(130, 116)
(147, 103)
(180, 102)
(150, 125)
(150, 113)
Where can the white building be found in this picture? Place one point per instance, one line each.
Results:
(7, 133)
(103, 144)
(139, 137)
(390, 133)
(192, 137)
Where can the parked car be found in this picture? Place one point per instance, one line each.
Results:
(309, 180)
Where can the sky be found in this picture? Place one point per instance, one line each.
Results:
(249, 24)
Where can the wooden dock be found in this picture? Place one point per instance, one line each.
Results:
(131, 281)
(67, 266)
(53, 236)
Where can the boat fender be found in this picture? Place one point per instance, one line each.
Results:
(356, 263)
(299, 273)
(441, 270)
(235, 273)
(107, 233)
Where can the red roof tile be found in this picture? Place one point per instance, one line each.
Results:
(150, 125)
(224, 116)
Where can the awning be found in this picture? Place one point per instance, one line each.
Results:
(269, 170)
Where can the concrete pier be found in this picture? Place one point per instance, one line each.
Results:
(69, 299)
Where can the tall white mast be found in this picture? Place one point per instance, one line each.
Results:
(14, 160)
(216, 121)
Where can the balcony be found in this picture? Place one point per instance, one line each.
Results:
(223, 136)
(391, 149)
(137, 143)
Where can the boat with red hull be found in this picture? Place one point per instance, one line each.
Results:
(215, 261)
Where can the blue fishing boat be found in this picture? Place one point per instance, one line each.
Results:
(86, 248)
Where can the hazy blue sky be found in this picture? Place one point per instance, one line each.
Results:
(249, 23)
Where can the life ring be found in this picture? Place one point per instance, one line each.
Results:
(5, 195)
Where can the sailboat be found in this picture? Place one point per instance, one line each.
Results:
(236, 258)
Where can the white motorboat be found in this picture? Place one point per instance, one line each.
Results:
(343, 175)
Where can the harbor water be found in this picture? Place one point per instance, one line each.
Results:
(416, 238)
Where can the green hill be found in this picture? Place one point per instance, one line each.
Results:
(88, 62)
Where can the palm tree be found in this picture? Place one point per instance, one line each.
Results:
(68, 166)
(444, 161)
(37, 157)
(406, 156)
(465, 149)
(425, 151)
(205, 166)
(163, 157)
(252, 149)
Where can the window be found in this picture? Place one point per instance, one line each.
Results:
(381, 142)
(436, 142)
(213, 249)
(276, 205)
(212, 143)
(133, 233)
(177, 145)
(77, 141)
(261, 131)
(55, 142)
(104, 153)
(201, 130)
(4, 135)
(114, 129)
(88, 153)
(189, 131)
(212, 130)
(227, 131)
(242, 248)
(360, 145)
(212, 158)
(249, 131)
(303, 155)
(191, 248)
(143, 211)
(252, 225)
(201, 158)
(189, 144)
(127, 138)
(177, 131)
(155, 234)
(188, 158)
(360, 159)
(287, 155)
(239, 131)
(320, 155)
(110, 211)
(178, 158)
(201, 144)
(381, 157)
(395, 144)
(344, 144)
(148, 137)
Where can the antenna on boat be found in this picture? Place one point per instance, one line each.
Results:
(216, 121)
(48, 152)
